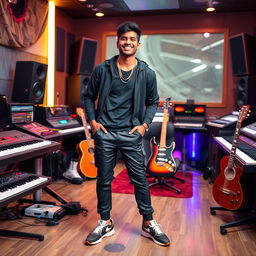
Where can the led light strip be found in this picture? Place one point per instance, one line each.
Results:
(51, 53)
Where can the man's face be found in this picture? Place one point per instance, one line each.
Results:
(128, 43)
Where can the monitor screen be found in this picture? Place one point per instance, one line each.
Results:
(5, 120)
(21, 113)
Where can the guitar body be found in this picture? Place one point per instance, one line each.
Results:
(227, 189)
(161, 159)
(86, 165)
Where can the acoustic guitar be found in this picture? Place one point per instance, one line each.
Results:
(161, 159)
(86, 164)
(227, 188)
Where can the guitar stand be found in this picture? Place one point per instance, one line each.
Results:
(245, 221)
(162, 182)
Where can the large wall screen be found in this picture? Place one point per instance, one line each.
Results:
(188, 65)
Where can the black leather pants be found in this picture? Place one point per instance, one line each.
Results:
(130, 146)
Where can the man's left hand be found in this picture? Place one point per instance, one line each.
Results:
(139, 128)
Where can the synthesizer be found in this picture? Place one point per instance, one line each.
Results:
(16, 184)
(189, 116)
(59, 118)
(22, 115)
(18, 146)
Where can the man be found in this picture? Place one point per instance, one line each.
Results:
(126, 92)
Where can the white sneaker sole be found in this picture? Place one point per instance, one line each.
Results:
(112, 232)
(146, 234)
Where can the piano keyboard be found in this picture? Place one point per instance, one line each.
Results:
(243, 157)
(181, 124)
(72, 130)
(17, 183)
(21, 147)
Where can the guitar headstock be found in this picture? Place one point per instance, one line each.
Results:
(243, 112)
(167, 103)
(80, 112)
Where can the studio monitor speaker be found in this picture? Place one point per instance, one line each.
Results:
(83, 56)
(77, 85)
(29, 82)
(243, 54)
(246, 91)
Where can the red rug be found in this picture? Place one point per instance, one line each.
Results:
(121, 184)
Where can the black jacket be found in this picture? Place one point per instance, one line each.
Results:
(146, 97)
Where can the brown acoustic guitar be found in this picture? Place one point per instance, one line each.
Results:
(162, 160)
(85, 149)
(227, 188)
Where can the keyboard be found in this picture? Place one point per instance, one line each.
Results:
(16, 184)
(72, 130)
(184, 124)
(16, 146)
(244, 152)
(21, 147)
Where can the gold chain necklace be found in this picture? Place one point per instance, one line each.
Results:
(123, 79)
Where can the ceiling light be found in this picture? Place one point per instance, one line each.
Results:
(89, 5)
(206, 34)
(99, 14)
(82, 0)
(210, 7)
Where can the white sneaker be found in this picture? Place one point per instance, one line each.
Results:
(72, 174)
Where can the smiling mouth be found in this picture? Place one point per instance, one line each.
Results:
(128, 47)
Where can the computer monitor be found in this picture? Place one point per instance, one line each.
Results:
(5, 120)
(21, 113)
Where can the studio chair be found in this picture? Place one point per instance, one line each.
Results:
(161, 176)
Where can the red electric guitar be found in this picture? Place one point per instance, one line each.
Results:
(85, 148)
(227, 189)
(161, 159)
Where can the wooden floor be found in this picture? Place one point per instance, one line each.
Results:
(193, 231)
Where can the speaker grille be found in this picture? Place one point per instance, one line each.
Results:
(29, 82)
(243, 54)
(83, 56)
(246, 90)
(77, 85)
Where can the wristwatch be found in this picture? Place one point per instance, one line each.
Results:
(145, 126)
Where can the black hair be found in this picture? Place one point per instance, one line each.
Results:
(128, 26)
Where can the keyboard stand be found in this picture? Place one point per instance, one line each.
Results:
(10, 233)
(245, 221)
(38, 163)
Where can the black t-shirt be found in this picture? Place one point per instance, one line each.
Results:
(117, 114)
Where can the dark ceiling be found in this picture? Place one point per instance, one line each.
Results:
(114, 8)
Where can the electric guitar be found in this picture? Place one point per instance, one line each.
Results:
(227, 189)
(85, 148)
(161, 159)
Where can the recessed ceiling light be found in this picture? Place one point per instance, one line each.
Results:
(206, 34)
(95, 9)
(82, 0)
(99, 14)
(210, 9)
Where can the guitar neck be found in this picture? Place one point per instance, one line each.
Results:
(86, 131)
(164, 129)
(234, 145)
